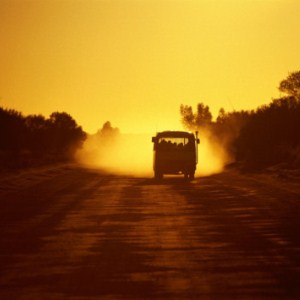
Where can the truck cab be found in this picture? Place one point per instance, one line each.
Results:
(175, 152)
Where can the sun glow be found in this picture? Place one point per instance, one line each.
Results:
(134, 62)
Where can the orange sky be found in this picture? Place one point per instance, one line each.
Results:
(134, 62)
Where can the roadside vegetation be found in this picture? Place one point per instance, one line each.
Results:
(260, 138)
(34, 140)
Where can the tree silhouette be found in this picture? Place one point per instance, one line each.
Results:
(35, 139)
(12, 130)
(291, 85)
(37, 134)
(107, 130)
(266, 136)
(193, 121)
(227, 128)
(271, 136)
(64, 133)
(107, 135)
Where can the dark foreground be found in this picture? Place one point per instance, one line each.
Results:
(71, 233)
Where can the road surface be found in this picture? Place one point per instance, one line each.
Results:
(75, 233)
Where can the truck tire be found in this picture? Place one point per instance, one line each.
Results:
(158, 175)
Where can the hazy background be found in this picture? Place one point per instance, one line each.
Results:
(134, 62)
(132, 154)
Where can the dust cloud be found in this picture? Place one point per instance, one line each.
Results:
(125, 154)
(212, 157)
(132, 154)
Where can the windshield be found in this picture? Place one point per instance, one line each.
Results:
(174, 143)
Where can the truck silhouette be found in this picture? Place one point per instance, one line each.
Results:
(175, 152)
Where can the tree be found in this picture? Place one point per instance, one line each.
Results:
(221, 116)
(33, 139)
(12, 130)
(107, 135)
(193, 121)
(187, 116)
(62, 120)
(37, 134)
(203, 116)
(291, 85)
(64, 133)
(107, 130)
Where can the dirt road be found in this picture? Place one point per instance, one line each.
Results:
(74, 233)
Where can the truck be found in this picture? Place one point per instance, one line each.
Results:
(175, 152)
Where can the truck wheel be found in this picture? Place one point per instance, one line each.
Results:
(192, 176)
(158, 175)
